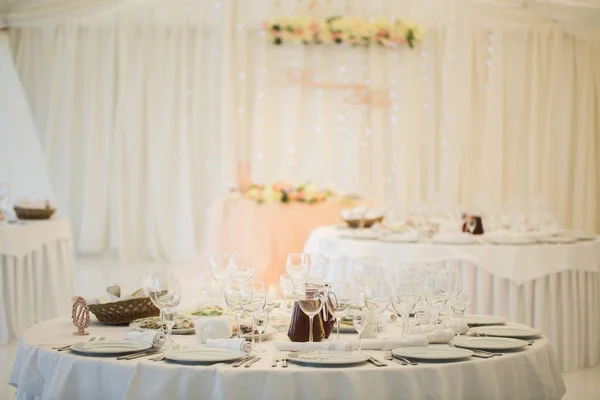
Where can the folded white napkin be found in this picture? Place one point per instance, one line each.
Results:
(384, 344)
(447, 324)
(440, 336)
(236, 344)
(307, 346)
(157, 339)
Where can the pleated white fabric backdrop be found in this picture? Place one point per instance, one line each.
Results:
(145, 108)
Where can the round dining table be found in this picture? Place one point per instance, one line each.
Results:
(553, 287)
(41, 372)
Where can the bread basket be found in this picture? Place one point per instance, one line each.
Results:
(34, 213)
(125, 311)
(368, 222)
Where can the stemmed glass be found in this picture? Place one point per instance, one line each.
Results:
(360, 319)
(377, 298)
(459, 305)
(310, 300)
(164, 288)
(339, 300)
(288, 290)
(4, 200)
(367, 270)
(253, 299)
(436, 290)
(297, 266)
(405, 297)
(261, 321)
(241, 265)
(219, 266)
(317, 264)
(233, 291)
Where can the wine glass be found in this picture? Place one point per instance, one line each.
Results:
(405, 296)
(261, 322)
(287, 288)
(377, 299)
(241, 265)
(454, 281)
(253, 298)
(459, 305)
(360, 318)
(436, 290)
(4, 200)
(310, 300)
(367, 270)
(317, 264)
(339, 300)
(219, 266)
(297, 266)
(233, 290)
(165, 289)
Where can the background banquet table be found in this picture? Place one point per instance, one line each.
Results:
(270, 231)
(40, 371)
(36, 271)
(555, 288)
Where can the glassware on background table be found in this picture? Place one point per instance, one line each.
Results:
(377, 299)
(165, 288)
(219, 266)
(436, 291)
(4, 201)
(253, 299)
(317, 264)
(339, 299)
(261, 322)
(310, 299)
(297, 266)
(360, 319)
(287, 287)
(459, 305)
(241, 265)
(406, 294)
(232, 294)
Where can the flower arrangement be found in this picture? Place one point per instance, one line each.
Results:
(353, 31)
(285, 193)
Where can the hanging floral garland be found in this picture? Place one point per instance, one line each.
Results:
(352, 31)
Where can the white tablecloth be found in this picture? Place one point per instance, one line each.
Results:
(505, 280)
(40, 371)
(36, 271)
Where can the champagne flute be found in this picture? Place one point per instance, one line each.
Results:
(360, 319)
(317, 264)
(377, 299)
(340, 299)
(310, 300)
(253, 298)
(168, 295)
(436, 290)
(405, 297)
(219, 266)
(233, 291)
(297, 266)
(261, 322)
(367, 270)
(241, 265)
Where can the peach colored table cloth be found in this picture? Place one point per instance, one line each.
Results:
(270, 231)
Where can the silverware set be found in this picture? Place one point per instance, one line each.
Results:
(400, 360)
(68, 347)
(248, 360)
(146, 353)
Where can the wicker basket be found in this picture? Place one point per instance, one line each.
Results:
(123, 312)
(34, 213)
(355, 223)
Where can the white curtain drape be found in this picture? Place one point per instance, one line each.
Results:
(145, 108)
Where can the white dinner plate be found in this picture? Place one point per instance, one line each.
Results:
(358, 235)
(507, 331)
(269, 333)
(110, 347)
(453, 239)
(558, 239)
(400, 238)
(479, 320)
(511, 240)
(581, 235)
(327, 357)
(488, 343)
(432, 353)
(204, 355)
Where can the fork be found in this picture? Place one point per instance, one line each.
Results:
(406, 360)
(388, 356)
(61, 348)
(275, 361)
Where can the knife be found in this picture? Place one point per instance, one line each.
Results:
(254, 360)
(243, 360)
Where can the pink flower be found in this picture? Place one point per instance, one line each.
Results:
(299, 31)
(398, 39)
(382, 32)
(314, 26)
(266, 25)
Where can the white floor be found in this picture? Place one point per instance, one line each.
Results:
(92, 277)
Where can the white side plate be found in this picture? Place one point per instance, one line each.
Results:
(327, 357)
(204, 355)
(507, 331)
(477, 320)
(432, 353)
(110, 347)
(488, 343)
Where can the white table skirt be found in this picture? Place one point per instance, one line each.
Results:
(35, 286)
(565, 305)
(40, 371)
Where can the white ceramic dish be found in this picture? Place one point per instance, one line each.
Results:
(488, 343)
(511, 240)
(507, 331)
(204, 355)
(135, 325)
(269, 333)
(443, 238)
(558, 239)
(480, 320)
(400, 238)
(324, 357)
(433, 353)
(360, 235)
(110, 347)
